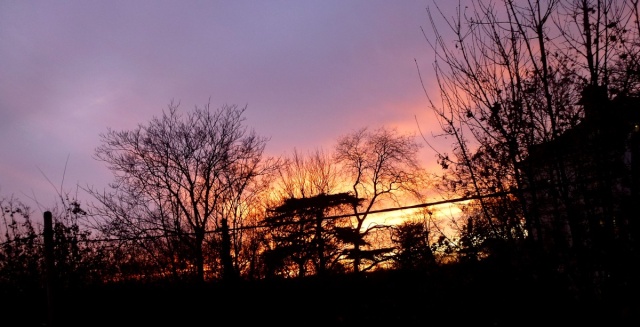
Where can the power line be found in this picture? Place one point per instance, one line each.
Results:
(427, 204)
(218, 230)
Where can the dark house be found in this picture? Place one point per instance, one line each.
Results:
(582, 188)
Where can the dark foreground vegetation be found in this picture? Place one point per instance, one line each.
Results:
(481, 294)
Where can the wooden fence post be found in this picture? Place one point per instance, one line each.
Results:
(49, 266)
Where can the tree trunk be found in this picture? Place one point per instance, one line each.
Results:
(228, 272)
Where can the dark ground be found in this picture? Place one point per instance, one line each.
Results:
(477, 296)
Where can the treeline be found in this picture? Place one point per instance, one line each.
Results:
(540, 100)
(195, 199)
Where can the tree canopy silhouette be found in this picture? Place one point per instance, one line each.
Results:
(381, 166)
(179, 177)
(517, 80)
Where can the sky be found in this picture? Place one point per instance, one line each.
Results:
(307, 71)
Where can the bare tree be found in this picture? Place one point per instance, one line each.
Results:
(517, 74)
(179, 178)
(381, 167)
(306, 175)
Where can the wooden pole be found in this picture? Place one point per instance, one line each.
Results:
(49, 266)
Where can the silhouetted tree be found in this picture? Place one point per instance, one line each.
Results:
(478, 239)
(512, 79)
(301, 176)
(413, 246)
(300, 234)
(381, 167)
(176, 179)
(79, 259)
(306, 175)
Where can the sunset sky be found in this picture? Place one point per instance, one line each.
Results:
(308, 72)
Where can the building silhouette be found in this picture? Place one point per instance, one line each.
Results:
(582, 187)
